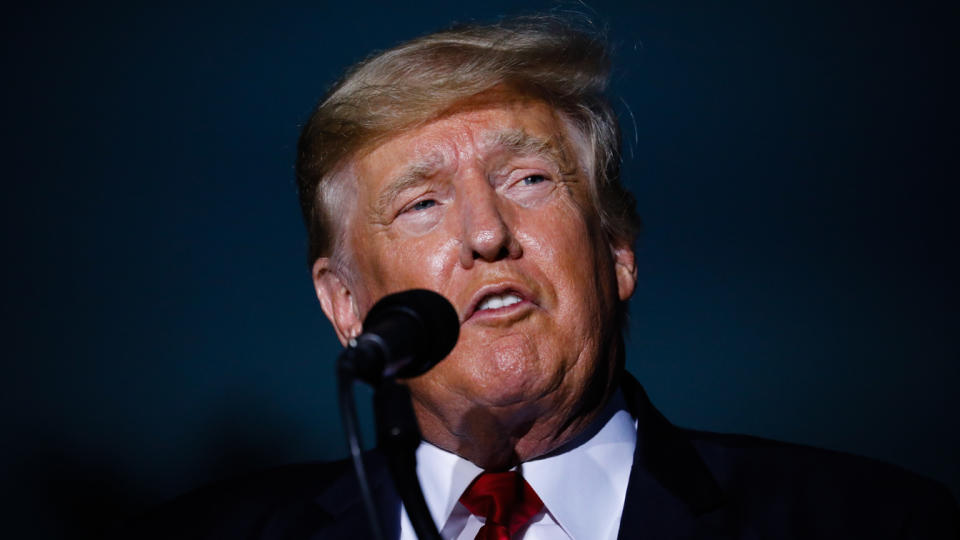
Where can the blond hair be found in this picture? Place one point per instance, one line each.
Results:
(543, 57)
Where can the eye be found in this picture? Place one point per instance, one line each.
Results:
(529, 188)
(422, 205)
(534, 179)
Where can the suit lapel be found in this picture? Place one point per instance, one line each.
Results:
(671, 493)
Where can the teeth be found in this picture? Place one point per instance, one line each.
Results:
(498, 301)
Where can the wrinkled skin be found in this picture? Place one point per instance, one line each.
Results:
(490, 199)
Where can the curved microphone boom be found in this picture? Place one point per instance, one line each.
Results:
(404, 335)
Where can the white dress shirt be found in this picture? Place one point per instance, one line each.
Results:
(582, 485)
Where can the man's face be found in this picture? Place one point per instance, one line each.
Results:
(489, 207)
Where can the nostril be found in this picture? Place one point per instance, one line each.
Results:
(502, 253)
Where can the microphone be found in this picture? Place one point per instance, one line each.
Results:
(404, 335)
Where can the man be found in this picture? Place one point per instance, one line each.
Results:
(482, 163)
(490, 193)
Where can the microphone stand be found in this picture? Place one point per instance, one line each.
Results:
(398, 435)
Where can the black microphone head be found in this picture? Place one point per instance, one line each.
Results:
(428, 323)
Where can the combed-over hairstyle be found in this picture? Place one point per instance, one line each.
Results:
(406, 86)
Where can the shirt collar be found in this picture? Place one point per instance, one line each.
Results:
(444, 476)
(583, 485)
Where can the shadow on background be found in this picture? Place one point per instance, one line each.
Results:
(66, 493)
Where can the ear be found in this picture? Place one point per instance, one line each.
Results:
(625, 266)
(337, 301)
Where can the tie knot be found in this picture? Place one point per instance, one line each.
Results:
(505, 500)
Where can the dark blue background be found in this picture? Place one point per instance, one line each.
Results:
(793, 163)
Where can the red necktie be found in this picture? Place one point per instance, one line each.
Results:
(505, 500)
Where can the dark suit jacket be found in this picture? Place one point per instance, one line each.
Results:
(683, 484)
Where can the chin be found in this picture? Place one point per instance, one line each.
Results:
(507, 370)
(505, 394)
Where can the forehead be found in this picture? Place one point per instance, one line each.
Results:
(473, 130)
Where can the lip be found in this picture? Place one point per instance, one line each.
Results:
(526, 299)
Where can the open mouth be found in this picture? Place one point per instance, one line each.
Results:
(496, 299)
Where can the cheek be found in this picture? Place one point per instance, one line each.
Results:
(438, 258)
(566, 249)
(394, 264)
(577, 262)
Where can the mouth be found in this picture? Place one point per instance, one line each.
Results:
(498, 300)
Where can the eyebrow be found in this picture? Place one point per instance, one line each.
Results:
(411, 176)
(519, 142)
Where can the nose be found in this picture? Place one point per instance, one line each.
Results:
(485, 234)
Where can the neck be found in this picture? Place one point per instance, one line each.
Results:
(499, 438)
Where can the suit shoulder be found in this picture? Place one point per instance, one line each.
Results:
(835, 490)
(745, 458)
(236, 507)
